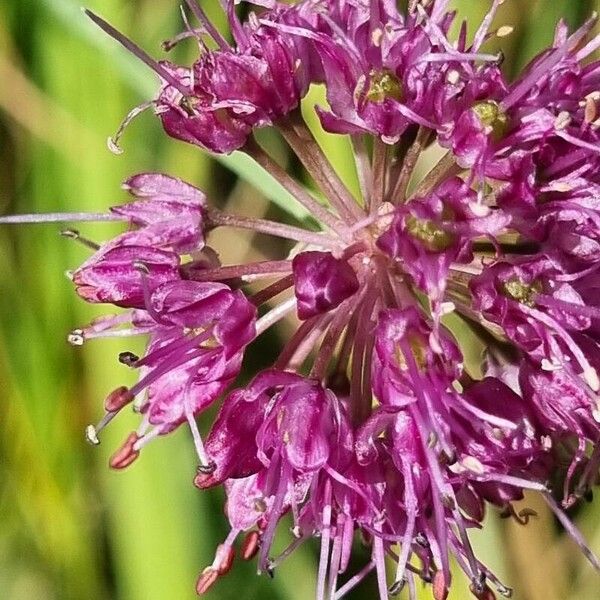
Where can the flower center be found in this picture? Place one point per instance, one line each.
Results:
(491, 116)
(522, 292)
(383, 85)
(429, 233)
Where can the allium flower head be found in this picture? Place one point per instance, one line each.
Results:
(371, 423)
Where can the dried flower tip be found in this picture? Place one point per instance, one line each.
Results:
(208, 468)
(396, 587)
(504, 591)
(486, 594)
(126, 454)
(250, 545)
(76, 337)
(128, 358)
(91, 435)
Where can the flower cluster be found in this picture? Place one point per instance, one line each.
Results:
(370, 422)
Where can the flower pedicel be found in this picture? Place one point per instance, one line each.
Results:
(369, 422)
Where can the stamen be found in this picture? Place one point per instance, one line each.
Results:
(224, 557)
(73, 234)
(354, 581)
(589, 374)
(210, 28)
(113, 142)
(91, 435)
(572, 531)
(168, 45)
(481, 33)
(275, 315)
(118, 399)
(250, 545)
(206, 580)
(206, 465)
(325, 542)
(546, 65)
(92, 431)
(126, 454)
(76, 337)
(136, 51)
(439, 586)
(128, 358)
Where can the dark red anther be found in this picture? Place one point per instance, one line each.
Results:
(117, 399)
(208, 468)
(250, 545)
(440, 589)
(203, 480)
(262, 523)
(128, 358)
(486, 594)
(225, 555)
(126, 454)
(206, 580)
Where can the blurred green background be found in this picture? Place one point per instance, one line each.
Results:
(70, 529)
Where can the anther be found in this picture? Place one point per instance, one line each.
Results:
(591, 377)
(206, 580)
(422, 540)
(224, 559)
(202, 480)
(250, 545)
(73, 234)
(396, 587)
(448, 501)
(76, 337)
(504, 591)
(563, 120)
(128, 358)
(504, 31)
(591, 110)
(478, 585)
(91, 435)
(117, 399)
(126, 454)
(207, 469)
(142, 267)
(296, 531)
(485, 594)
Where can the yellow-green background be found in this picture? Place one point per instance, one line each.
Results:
(70, 529)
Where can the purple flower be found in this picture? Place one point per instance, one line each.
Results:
(375, 419)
